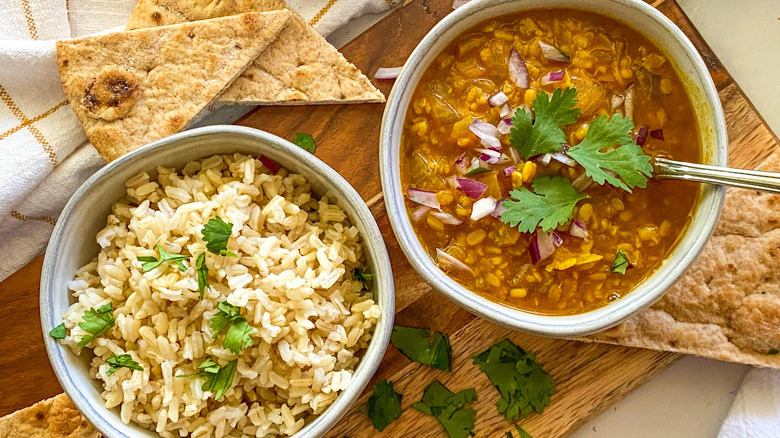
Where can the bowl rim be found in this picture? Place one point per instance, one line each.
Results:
(374, 244)
(643, 295)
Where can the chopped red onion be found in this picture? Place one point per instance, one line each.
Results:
(509, 170)
(461, 166)
(483, 207)
(477, 163)
(446, 218)
(423, 197)
(269, 163)
(514, 154)
(517, 70)
(657, 134)
(556, 238)
(498, 99)
(545, 159)
(578, 229)
(506, 111)
(452, 181)
(447, 260)
(420, 212)
(504, 158)
(387, 73)
(473, 189)
(628, 104)
(541, 247)
(617, 100)
(641, 136)
(504, 126)
(553, 53)
(499, 210)
(489, 152)
(553, 76)
(565, 159)
(487, 133)
(582, 182)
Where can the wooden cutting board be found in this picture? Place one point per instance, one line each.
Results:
(589, 377)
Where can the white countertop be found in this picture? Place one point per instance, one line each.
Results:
(691, 398)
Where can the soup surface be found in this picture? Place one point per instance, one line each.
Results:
(526, 179)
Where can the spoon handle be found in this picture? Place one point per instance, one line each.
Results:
(746, 179)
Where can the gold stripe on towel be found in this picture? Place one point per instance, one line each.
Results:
(48, 219)
(28, 16)
(5, 97)
(322, 12)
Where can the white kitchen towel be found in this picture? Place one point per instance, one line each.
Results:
(755, 412)
(44, 154)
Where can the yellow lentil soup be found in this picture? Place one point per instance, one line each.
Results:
(496, 96)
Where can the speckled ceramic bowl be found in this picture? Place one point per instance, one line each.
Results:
(709, 113)
(73, 245)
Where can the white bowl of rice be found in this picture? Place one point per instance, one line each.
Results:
(268, 326)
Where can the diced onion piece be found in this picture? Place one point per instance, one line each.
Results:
(498, 99)
(452, 181)
(270, 164)
(420, 212)
(461, 166)
(449, 261)
(545, 159)
(578, 229)
(487, 133)
(563, 158)
(504, 158)
(556, 238)
(489, 152)
(446, 218)
(617, 100)
(506, 110)
(504, 126)
(518, 72)
(477, 163)
(582, 182)
(482, 208)
(514, 154)
(553, 76)
(387, 72)
(553, 53)
(509, 170)
(541, 246)
(423, 197)
(473, 189)
(641, 136)
(628, 104)
(500, 209)
(657, 134)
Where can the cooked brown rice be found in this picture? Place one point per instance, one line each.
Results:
(293, 281)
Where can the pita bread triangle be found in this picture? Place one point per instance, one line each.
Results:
(300, 67)
(131, 88)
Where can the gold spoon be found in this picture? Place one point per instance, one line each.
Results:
(742, 178)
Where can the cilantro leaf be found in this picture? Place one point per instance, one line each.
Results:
(542, 134)
(152, 262)
(449, 408)
(58, 332)
(305, 142)
(96, 322)
(625, 166)
(551, 205)
(476, 171)
(523, 385)
(237, 337)
(203, 273)
(521, 433)
(118, 361)
(365, 277)
(621, 263)
(773, 351)
(218, 379)
(384, 405)
(216, 233)
(413, 343)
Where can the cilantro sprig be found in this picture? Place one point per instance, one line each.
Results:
(203, 273)
(384, 405)
(413, 343)
(542, 134)
(523, 385)
(449, 408)
(118, 361)
(96, 322)
(216, 233)
(237, 337)
(153, 262)
(549, 205)
(218, 378)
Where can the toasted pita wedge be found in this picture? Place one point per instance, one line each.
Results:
(131, 88)
(300, 67)
(51, 418)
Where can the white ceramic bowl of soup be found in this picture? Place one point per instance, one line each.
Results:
(73, 245)
(706, 104)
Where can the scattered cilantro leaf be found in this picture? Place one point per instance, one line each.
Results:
(216, 233)
(773, 351)
(621, 263)
(476, 171)
(96, 322)
(118, 361)
(203, 273)
(625, 166)
(365, 277)
(549, 205)
(449, 408)
(218, 379)
(237, 337)
(58, 332)
(542, 134)
(152, 262)
(521, 433)
(305, 142)
(384, 405)
(208, 366)
(413, 343)
(523, 385)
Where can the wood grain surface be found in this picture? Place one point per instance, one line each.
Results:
(589, 377)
